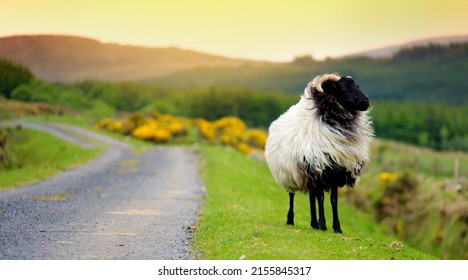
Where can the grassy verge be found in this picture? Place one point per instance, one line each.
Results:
(244, 216)
(425, 205)
(36, 155)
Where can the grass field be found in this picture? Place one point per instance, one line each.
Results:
(36, 155)
(244, 217)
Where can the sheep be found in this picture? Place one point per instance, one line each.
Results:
(321, 143)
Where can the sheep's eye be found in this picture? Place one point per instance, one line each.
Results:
(344, 89)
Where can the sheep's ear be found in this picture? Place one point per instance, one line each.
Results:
(325, 80)
(328, 86)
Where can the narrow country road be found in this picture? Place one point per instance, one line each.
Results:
(122, 205)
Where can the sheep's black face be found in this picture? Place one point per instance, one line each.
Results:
(348, 94)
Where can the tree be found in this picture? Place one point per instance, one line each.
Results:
(11, 76)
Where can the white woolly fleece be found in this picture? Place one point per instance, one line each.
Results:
(299, 134)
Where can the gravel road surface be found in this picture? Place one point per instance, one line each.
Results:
(122, 205)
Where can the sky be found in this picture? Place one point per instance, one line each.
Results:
(274, 30)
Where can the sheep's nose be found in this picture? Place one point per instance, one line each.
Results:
(364, 104)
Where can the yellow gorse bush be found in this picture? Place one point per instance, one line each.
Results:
(175, 125)
(388, 177)
(245, 148)
(161, 128)
(229, 130)
(255, 138)
(153, 130)
(206, 129)
(144, 132)
(232, 131)
(110, 124)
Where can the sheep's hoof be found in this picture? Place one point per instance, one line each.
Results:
(322, 227)
(290, 223)
(318, 226)
(338, 231)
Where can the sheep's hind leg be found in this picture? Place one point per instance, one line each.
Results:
(291, 210)
(322, 224)
(313, 211)
(334, 203)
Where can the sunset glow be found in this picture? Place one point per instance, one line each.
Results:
(254, 29)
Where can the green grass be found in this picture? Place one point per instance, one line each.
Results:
(244, 216)
(396, 156)
(37, 155)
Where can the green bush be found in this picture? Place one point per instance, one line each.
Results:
(11, 76)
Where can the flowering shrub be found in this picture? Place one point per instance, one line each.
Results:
(229, 130)
(143, 132)
(255, 138)
(131, 123)
(206, 129)
(110, 124)
(232, 131)
(152, 131)
(245, 148)
(388, 177)
(175, 125)
(161, 128)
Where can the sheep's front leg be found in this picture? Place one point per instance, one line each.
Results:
(322, 224)
(334, 203)
(291, 210)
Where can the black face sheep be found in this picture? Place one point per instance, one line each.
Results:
(321, 143)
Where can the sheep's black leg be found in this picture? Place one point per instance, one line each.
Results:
(322, 224)
(313, 213)
(291, 210)
(334, 203)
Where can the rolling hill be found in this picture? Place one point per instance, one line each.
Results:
(430, 70)
(69, 59)
(389, 51)
(432, 73)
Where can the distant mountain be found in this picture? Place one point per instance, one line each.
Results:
(389, 51)
(431, 70)
(432, 73)
(70, 59)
